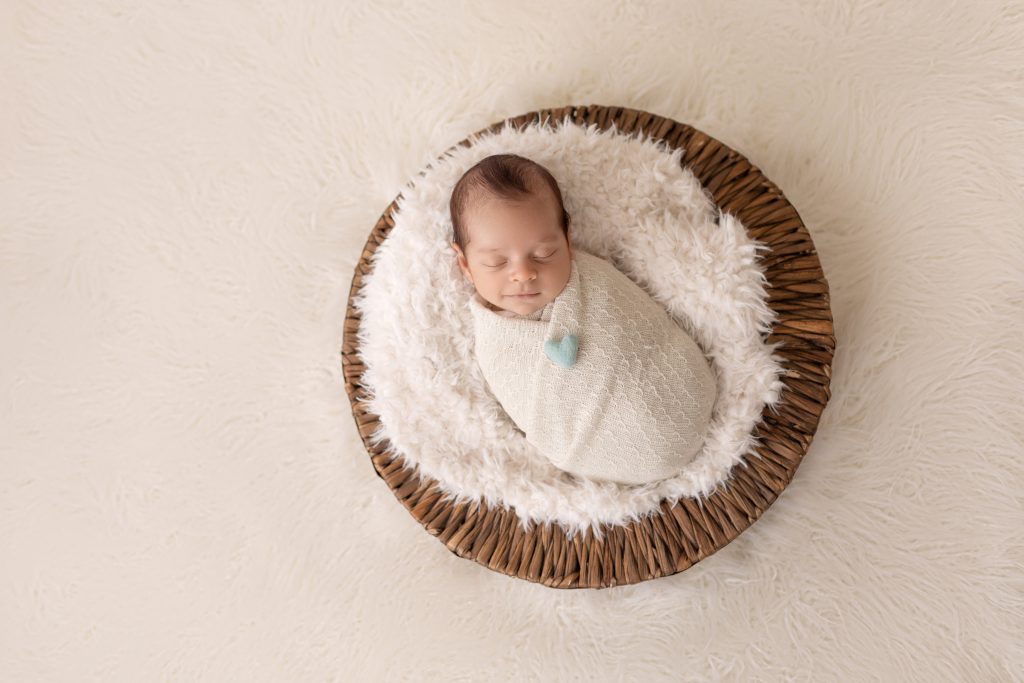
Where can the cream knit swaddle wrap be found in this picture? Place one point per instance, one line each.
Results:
(633, 408)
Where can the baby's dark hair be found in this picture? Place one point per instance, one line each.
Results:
(505, 176)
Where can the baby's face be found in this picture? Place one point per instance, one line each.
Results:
(516, 248)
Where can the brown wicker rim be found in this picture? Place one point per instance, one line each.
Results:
(683, 532)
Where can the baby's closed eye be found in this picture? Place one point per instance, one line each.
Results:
(542, 259)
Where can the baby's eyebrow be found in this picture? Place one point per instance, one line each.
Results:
(550, 239)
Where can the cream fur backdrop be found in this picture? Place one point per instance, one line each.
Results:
(185, 189)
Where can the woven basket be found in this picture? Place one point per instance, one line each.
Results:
(684, 531)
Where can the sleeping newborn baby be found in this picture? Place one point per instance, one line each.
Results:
(595, 373)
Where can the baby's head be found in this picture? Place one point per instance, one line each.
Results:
(511, 233)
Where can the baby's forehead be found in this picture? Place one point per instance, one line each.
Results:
(481, 199)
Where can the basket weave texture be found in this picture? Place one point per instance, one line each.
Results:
(681, 532)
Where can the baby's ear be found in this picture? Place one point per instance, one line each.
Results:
(463, 264)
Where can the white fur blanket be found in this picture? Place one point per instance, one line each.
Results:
(608, 387)
(416, 334)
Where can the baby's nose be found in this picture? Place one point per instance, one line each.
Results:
(524, 273)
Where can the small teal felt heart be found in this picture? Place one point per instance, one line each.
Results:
(563, 352)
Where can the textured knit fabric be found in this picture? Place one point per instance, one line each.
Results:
(633, 408)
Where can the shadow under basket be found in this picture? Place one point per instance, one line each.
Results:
(684, 531)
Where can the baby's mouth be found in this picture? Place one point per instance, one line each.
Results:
(524, 296)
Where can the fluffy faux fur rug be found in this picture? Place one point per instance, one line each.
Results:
(185, 189)
(633, 204)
